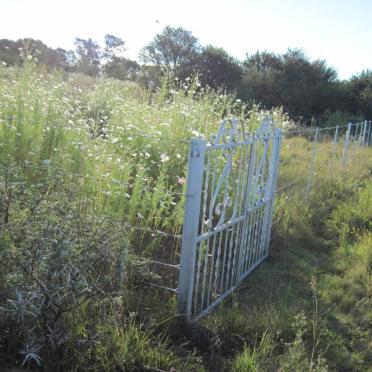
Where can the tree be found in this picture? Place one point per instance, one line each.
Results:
(88, 53)
(361, 93)
(217, 69)
(305, 88)
(170, 50)
(114, 47)
(306, 84)
(116, 66)
(16, 52)
(261, 79)
(121, 68)
(9, 52)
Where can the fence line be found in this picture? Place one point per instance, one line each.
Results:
(220, 249)
(229, 204)
(231, 188)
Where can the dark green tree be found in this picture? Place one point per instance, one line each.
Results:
(171, 50)
(121, 68)
(361, 93)
(261, 79)
(216, 68)
(302, 86)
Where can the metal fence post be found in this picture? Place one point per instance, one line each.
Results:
(191, 226)
(336, 135)
(364, 133)
(334, 152)
(346, 146)
(312, 167)
(369, 135)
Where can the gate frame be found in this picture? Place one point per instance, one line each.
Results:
(192, 218)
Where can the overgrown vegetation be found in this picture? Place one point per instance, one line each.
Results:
(308, 308)
(309, 90)
(91, 192)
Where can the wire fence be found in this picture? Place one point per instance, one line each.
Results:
(151, 209)
(228, 215)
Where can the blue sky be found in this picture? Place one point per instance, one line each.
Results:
(338, 31)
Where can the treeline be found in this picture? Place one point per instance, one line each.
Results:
(307, 89)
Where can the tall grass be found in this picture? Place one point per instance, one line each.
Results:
(307, 307)
(92, 191)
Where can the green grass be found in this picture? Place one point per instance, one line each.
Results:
(84, 160)
(308, 306)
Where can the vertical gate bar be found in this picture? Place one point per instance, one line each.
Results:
(247, 203)
(277, 145)
(346, 145)
(218, 266)
(247, 243)
(225, 254)
(252, 238)
(258, 236)
(203, 218)
(191, 226)
(268, 191)
(212, 271)
(276, 175)
(255, 231)
(229, 261)
(237, 211)
(261, 231)
(242, 211)
(209, 227)
(312, 167)
(206, 255)
(250, 200)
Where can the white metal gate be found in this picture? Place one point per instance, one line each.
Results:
(228, 214)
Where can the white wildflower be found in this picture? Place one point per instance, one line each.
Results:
(164, 158)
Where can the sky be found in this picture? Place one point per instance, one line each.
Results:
(339, 31)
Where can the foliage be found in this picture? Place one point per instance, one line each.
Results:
(308, 306)
(91, 171)
(308, 90)
(291, 80)
(89, 54)
(92, 191)
(171, 49)
(217, 69)
(361, 92)
(23, 50)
